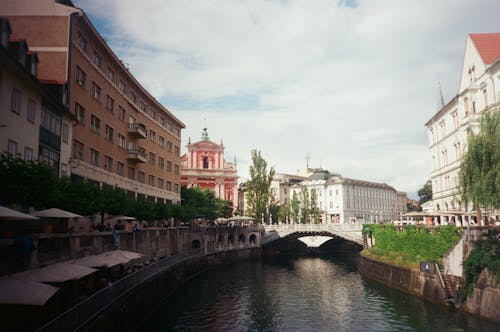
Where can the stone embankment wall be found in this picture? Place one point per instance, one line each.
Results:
(132, 310)
(420, 284)
(485, 300)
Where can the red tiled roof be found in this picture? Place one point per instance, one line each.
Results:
(488, 46)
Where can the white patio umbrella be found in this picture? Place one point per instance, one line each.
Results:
(9, 214)
(55, 213)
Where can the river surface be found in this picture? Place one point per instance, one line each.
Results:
(301, 294)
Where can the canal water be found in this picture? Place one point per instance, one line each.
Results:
(301, 294)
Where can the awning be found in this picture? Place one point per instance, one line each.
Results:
(17, 291)
(123, 218)
(58, 272)
(244, 218)
(55, 213)
(108, 259)
(9, 214)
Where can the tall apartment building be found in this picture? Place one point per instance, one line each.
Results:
(124, 137)
(34, 123)
(449, 129)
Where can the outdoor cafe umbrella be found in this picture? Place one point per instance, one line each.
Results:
(9, 214)
(55, 213)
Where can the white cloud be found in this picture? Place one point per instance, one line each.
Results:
(350, 83)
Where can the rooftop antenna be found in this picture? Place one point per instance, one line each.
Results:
(307, 160)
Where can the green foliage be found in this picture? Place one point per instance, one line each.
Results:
(425, 193)
(486, 254)
(258, 188)
(27, 183)
(479, 175)
(203, 203)
(414, 244)
(305, 205)
(284, 213)
(295, 208)
(315, 211)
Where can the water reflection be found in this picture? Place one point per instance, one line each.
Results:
(301, 294)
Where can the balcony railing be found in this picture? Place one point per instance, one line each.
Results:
(136, 155)
(137, 130)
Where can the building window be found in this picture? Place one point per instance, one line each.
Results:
(121, 141)
(80, 113)
(152, 113)
(151, 180)
(81, 76)
(82, 42)
(161, 162)
(97, 59)
(108, 163)
(77, 150)
(12, 147)
(169, 166)
(131, 173)
(177, 151)
(162, 121)
(94, 157)
(121, 86)
(169, 146)
(473, 107)
(16, 101)
(110, 74)
(49, 157)
(455, 119)
(142, 105)
(120, 168)
(442, 126)
(95, 124)
(141, 177)
(133, 97)
(96, 91)
(30, 114)
(28, 154)
(152, 136)
(161, 183)
(169, 186)
(205, 162)
(152, 158)
(50, 121)
(121, 113)
(109, 134)
(466, 107)
(110, 103)
(161, 141)
(65, 133)
(176, 169)
(176, 188)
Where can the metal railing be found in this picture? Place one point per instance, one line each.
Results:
(84, 312)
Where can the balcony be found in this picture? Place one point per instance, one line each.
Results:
(137, 130)
(137, 155)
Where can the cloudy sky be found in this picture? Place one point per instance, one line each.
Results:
(350, 83)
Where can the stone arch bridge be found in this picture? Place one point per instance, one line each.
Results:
(348, 232)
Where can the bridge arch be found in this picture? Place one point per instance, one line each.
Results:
(195, 244)
(252, 238)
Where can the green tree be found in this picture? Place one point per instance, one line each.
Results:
(305, 206)
(295, 207)
(425, 193)
(258, 188)
(27, 183)
(314, 208)
(479, 177)
(284, 213)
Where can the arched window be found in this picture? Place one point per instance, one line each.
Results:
(205, 162)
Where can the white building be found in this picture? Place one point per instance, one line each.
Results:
(343, 200)
(449, 128)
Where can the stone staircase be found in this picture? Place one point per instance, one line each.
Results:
(447, 287)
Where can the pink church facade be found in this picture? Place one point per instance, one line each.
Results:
(204, 165)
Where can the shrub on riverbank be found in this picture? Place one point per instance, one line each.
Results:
(412, 245)
(485, 255)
